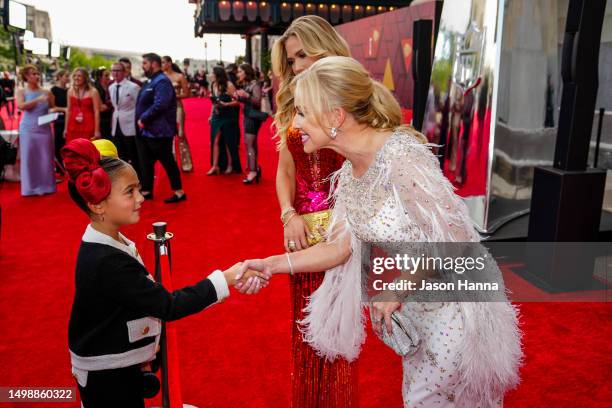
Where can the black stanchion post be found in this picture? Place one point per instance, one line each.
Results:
(161, 239)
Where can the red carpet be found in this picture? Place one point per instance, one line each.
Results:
(237, 353)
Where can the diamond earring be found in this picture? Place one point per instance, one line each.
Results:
(333, 133)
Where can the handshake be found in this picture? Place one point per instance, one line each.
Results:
(248, 277)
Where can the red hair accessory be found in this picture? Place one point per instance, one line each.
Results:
(82, 162)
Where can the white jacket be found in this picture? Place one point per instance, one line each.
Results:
(125, 109)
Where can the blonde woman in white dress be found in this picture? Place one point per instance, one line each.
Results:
(391, 189)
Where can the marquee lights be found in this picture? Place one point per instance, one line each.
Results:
(254, 10)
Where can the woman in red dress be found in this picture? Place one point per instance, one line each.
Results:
(302, 188)
(83, 111)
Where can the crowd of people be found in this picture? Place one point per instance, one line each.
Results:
(334, 122)
(7, 93)
(110, 103)
(231, 88)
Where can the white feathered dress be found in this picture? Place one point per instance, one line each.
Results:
(470, 353)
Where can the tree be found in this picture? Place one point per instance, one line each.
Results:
(79, 59)
(7, 50)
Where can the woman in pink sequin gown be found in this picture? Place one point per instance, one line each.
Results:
(302, 188)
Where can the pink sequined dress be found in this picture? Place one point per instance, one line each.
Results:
(316, 382)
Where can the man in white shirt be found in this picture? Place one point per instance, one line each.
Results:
(123, 95)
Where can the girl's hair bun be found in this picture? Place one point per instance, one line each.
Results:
(82, 162)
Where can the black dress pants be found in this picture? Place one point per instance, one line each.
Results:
(126, 146)
(121, 387)
(151, 150)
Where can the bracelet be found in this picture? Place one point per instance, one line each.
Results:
(285, 213)
(289, 219)
(289, 262)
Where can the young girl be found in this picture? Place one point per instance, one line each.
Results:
(118, 308)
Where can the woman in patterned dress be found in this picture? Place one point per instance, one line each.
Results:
(391, 190)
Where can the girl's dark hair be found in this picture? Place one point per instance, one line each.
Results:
(111, 166)
(249, 73)
(221, 78)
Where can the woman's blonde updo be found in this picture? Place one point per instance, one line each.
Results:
(319, 39)
(25, 71)
(342, 82)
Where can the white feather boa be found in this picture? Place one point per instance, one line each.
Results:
(334, 322)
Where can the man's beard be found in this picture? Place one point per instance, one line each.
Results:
(148, 72)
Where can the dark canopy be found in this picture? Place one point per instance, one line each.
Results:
(274, 16)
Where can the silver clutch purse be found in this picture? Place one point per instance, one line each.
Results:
(405, 339)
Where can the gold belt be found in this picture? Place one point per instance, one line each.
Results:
(315, 221)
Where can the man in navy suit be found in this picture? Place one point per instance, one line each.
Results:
(156, 119)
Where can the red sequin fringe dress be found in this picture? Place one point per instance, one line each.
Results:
(315, 382)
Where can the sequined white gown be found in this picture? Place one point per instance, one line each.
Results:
(470, 352)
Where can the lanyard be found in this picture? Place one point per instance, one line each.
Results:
(79, 95)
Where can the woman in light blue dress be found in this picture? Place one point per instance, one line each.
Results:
(35, 142)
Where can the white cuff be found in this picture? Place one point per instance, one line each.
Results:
(218, 280)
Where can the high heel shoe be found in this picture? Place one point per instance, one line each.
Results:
(255, 179)
(214, 171)
(228, 170)
(248, 180)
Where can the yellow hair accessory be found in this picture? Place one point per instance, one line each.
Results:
(106, 148)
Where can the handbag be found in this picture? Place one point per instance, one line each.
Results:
(252, 113)
(314, 221)
(256, 114)
(404, 340)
